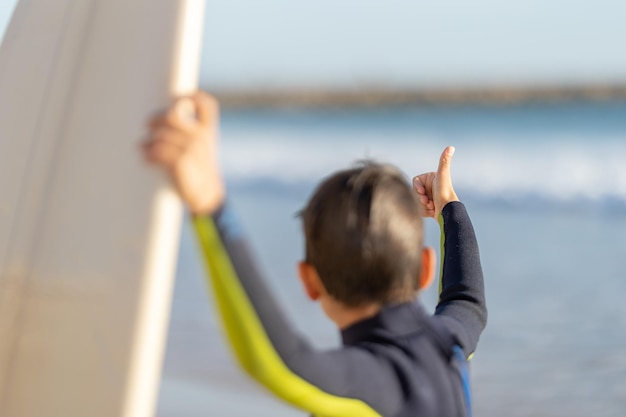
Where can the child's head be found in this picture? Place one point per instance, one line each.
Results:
(363, 231)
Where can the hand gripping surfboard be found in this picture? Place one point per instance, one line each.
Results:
(88, 233)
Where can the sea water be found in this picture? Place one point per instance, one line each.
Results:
(545, 186)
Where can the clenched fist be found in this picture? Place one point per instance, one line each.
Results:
(184, 140)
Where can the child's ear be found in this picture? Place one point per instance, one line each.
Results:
(427, 272)
(310, 280)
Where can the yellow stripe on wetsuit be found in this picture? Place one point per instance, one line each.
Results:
(250, 342)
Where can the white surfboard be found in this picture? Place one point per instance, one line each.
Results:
(88, 233)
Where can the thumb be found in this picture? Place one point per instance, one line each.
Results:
(443, 171)
(207, 108)
(185, 110)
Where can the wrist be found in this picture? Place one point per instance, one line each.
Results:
(445, 201)
(208, 205)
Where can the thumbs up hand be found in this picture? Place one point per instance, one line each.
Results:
(435, 188)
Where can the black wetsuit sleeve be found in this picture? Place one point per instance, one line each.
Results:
(462, 305)
(325, 383)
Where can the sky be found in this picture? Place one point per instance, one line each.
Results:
(266, 44)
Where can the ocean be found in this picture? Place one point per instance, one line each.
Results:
(545, 185)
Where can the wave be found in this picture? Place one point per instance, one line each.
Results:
(557, 169)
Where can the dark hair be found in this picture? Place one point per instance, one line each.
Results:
(363, 231)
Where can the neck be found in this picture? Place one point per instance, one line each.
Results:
(346, 316)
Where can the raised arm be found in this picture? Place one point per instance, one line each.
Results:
(263, 340)
(462, 295)
(461, 304)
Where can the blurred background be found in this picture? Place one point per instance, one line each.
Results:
(532, 94)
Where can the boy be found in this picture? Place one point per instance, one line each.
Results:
(365, 265)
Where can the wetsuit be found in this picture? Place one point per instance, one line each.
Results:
(392, 364)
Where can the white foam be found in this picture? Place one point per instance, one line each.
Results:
(551, 167)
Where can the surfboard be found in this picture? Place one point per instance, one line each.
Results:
(88, 232)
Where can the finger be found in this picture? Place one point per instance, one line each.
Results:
(426, 212)
(157, 119)
(167, 119)
(180, 116)
(185, 111)
(443, 171)
(162, 153)
(425, 180)
(171, 136)
(207, 108)
(426, 203)
(198, 106)
(418, 186)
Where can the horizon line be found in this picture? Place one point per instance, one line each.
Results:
(381, 96)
